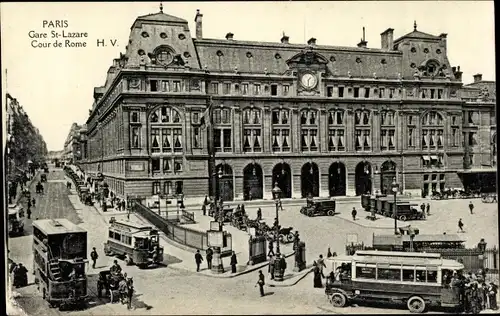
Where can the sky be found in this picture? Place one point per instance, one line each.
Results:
(55, 85)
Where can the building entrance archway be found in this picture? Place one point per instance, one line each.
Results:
(225, 183)
(282, 175)
(387, 174)
(252, 182)
(309, 180)
(336, 179)
(363, 178)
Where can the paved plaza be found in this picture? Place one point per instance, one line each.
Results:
(177, 289)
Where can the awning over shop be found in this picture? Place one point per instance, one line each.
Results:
(479, 170)
(425, 157)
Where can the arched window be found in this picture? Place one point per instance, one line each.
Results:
(309, 122)
(281, 125)
(387, 130)
(432, 131)
(165, 139)
(336, 130)
(432, 68)
(362, 130)
(252, 130)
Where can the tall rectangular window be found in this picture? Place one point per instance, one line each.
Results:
(153, 84)
(244, 89)
(391, 93)
(214, 87)
(367, 92)
(341, 92)
(440, 93)
(165, 86)
(256, 89)
(274, 89)
(155, 165)
(156, 187)
(356, 92)
(196, 137)
(226, 88)
(177, 86)
(135, 141)
(329, 92)
(286, 90)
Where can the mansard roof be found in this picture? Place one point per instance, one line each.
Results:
(259, 57)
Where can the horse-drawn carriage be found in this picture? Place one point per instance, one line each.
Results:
(39, 188)
(43, 177)
(115, 286)
(489, 198)
(239, 220)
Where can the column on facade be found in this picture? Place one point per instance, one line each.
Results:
(349, 130)
(126, 131)
(323, 145)
(295, 130)
(144, 137)
(376, 131)
(266, 128)
(236, 126)
(187, 131)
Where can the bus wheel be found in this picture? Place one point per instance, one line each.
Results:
(416, 304)
(402, 218)
(331, 213)
(338, 300)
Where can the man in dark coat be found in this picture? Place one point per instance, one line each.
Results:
(234, 262)
(428, 209)
(492, 295)
(259, 214)
(198, 259)
(210, 253)
(33, 202)
(460, 225)
(20, 276)
(261, 283)
(94, 256)
(354, 213)
(471, 207)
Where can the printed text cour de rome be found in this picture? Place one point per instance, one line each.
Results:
(63, 38)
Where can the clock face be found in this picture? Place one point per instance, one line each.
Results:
(309, 81)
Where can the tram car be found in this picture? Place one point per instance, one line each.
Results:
(60, 256)
(136, 244)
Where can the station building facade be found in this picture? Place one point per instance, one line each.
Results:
(315, 119)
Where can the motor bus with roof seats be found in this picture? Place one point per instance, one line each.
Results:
(137, 244)
(415, 279)
(59, 259)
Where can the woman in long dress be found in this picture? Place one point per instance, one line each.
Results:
(317, 276)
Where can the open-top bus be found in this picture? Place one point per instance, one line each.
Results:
(60, 254)
(415, 279)
(137, 244)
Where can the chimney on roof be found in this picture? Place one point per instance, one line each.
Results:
(478, 77)
(229, 36)
(457, 73)
(199, 27)
(363, 43)
(311, 41)
(387, 38)
(284, 39)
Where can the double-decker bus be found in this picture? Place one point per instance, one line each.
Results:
(417, 279)
(137, 244)
(60, 255)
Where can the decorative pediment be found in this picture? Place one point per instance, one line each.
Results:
(307, 57)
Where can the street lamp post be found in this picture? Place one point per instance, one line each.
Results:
(279, 269)
(395, 187)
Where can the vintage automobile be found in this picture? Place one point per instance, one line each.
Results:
(489, 198)
(319, 207)
(239, 220)
(405, 211)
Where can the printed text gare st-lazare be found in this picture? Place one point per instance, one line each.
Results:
(55, 35)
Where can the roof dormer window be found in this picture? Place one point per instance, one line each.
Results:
(219, 53)
(163, 56)
(249, 55)
(144, 34)
(163, 35)
(182, 37)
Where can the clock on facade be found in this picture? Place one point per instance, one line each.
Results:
(308, 80)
